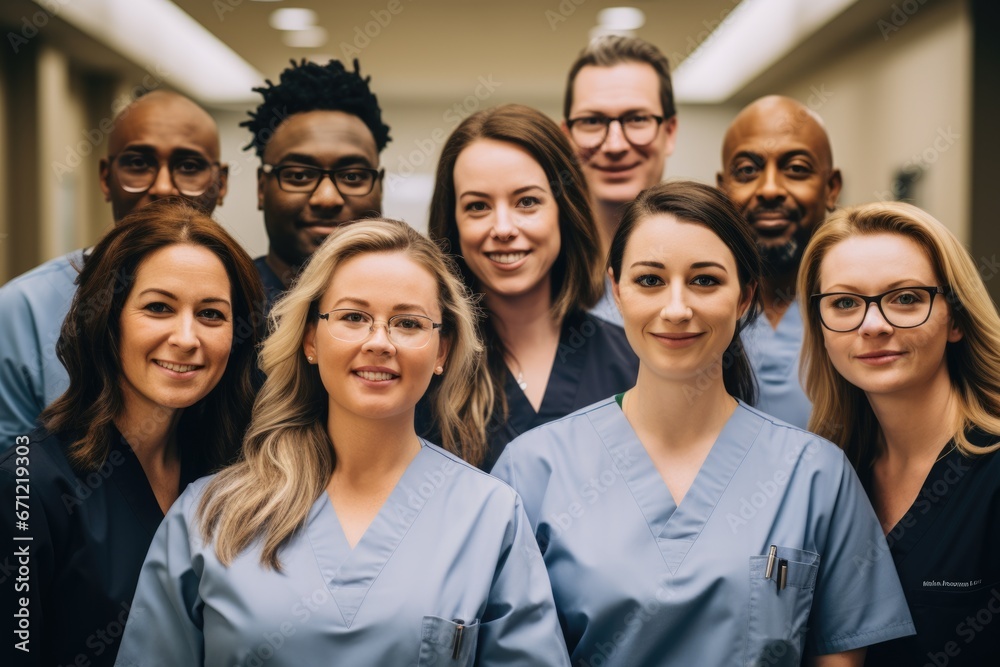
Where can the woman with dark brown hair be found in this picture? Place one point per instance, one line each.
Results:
(512, 204)
(160, 346)
(679, 525)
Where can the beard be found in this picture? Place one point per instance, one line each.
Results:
(782, 259)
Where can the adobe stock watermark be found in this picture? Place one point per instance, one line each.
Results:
(704, 37)
(562, 12)
(425, 148)
(92, 138)
(918, 162)
(900, 14)
(31, 25)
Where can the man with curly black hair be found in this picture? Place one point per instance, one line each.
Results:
(318, 133)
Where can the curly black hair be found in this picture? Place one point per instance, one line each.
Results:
(308, 86)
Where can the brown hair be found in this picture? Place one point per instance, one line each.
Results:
(577, 281)
(611, 50)
(841, 411)
(701, 204)
(212, 429)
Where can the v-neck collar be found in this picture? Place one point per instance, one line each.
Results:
(676, 528)
(132, 483)
(915, 523)
(560, 388)
(790, 325)
(349, 573)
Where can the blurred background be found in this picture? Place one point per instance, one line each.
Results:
(908, 89)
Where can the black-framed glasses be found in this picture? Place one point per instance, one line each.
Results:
(349, 181)
(136, 172)
(591, 131)
(902, 308)
(354, 326)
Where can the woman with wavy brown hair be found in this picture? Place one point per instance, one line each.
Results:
(512, 204)
(160, 346)
(902, 363)
(341, 536)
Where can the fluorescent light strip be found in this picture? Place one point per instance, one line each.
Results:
(160, 36)
(751, 38)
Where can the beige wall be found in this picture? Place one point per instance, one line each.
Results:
(899, 101)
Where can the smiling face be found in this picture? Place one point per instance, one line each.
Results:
(618, 171)
(777, 169)
(508, 219)
(877, 357)
(297, 223)
(176, 331)
(680, 297)
(374, 378)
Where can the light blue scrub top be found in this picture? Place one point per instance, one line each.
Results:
(451, 546)
(774, 356)
(639, 581)
(606, 308)
(32, 309)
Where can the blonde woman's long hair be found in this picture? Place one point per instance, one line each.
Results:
(841, 411)
(287, 456)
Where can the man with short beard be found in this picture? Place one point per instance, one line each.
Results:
(777, 167)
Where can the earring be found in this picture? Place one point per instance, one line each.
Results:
(309, 358)
(439, 370)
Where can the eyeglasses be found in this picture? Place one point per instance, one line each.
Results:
(353, 326)
(136, 172)
(591, 131)
(350, 181)
(902, 308)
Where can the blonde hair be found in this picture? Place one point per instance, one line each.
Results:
(841, 411)
(287, 456)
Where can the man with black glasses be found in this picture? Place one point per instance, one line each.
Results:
(777, 167)
(318, 134)
(162, 145)
(619, 114)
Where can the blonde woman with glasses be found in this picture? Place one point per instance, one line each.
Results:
(342, 537)
(902, 363)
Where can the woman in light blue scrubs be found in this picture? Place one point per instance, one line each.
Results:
(679, 525)
(340, 537)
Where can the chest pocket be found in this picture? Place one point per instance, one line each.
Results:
(778, 618)
(447, 643)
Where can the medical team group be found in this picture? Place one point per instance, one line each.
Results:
(593, 418)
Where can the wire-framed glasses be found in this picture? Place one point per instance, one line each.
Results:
(136, 172)
(902, 308)
(349, 181)
(354, 326)
(591, 131)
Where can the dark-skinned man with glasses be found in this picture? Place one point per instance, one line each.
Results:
(777, 167)
(318, 133)
(162, 145)
(619, 115)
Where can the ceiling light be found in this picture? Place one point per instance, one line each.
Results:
(292, 18)
(621, 18)
(310, 38)
(159, 34)
(751, 38)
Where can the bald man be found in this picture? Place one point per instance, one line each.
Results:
(777, 167)
(162, 145)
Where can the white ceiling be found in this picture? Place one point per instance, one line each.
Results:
(433, 49)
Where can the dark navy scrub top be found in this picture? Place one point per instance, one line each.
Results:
(89, 535)
(593, 361)
(947, 553)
